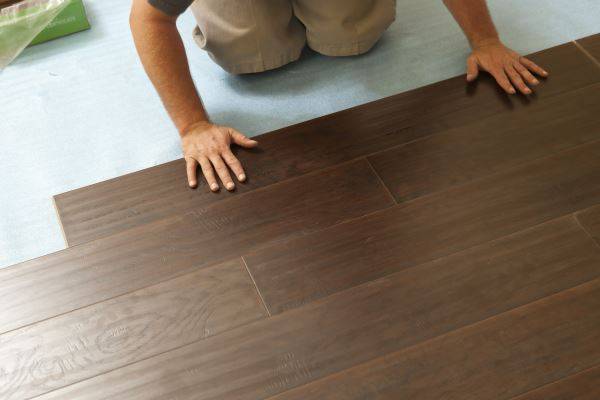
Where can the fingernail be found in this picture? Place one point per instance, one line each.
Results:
(242, 177)
(536, 82)
(511, 91)
(528, 91)
(214, 187)
(230, 186)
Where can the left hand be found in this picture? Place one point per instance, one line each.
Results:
(506, 66)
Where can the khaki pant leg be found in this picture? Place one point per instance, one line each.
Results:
(245, 36)
(344, 27)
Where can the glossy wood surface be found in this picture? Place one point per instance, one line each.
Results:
(489, 145)
(439, 244)
(83, 275)
(136, 199)
(499, 358)
(581, 386)
(592, 45)
(270, 356)
(107, 335)
(427, 228)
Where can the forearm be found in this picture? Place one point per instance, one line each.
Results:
(474, 18)
(162, 53)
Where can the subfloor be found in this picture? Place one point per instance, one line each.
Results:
(442, 243)
(79, 110)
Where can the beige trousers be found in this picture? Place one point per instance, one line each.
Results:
(245, 36)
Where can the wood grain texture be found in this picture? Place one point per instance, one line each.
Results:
(493, 360)
(270, 356)
(590, 220)
(581, 386)
(426, 228)
(143, 256)
(592, 45)
(135, 199)
(96, 339)
(490, 145)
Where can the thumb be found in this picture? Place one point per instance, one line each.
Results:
(241, 140)
(472, 69)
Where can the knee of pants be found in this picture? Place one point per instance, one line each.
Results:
(246, 37)
(344, 27)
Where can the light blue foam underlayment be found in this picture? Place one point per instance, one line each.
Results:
(80, 110)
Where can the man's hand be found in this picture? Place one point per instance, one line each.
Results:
(505, 65)
(209, 145)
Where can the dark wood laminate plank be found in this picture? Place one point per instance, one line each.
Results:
(490, 145)
(143, 256)
(131, 200)
(426, 228)
(293, 348)
(93, 340)
(590, 220)
(493, 360)
(582, 386)
(592, 45)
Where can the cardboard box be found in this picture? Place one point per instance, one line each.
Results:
(70, 20)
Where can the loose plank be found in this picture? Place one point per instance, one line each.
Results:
(592, 45)
(426, 228)
(135, 199)
(590, 220)
(496, 359)
(270, 356)
(96, 339)
(143, 256)
(581, 386)
(490, 145)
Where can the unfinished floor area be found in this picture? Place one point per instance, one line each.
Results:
(442, 243)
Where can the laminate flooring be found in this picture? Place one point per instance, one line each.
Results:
(440, 243)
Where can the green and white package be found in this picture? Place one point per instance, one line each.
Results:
(22, 22)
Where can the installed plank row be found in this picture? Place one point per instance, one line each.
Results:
(581, 386)
(299, 271)
(96, 339)
(590, 220)
(143, 256)
(592, 45)
(132, 200)
(494, 360)
(490, 145)
(402, 310)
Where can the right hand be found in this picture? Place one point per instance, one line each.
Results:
(208, 145)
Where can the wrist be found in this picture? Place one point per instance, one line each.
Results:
(191, 126)
(486, 41)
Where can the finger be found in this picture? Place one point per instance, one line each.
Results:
(472, 69)
(234, 164)
(191, 167)
(241, 140)
(525, 74)
(222, 171)
(530, 65)
(517, 80)
(503, 81)
(209, 174)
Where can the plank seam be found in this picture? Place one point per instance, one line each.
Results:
(587, 53)
(437, 337)
(60, 224)
(386, 188)
(584, 229)
(258, 292)
(195, 270)
(254, 251)
(583, 371)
